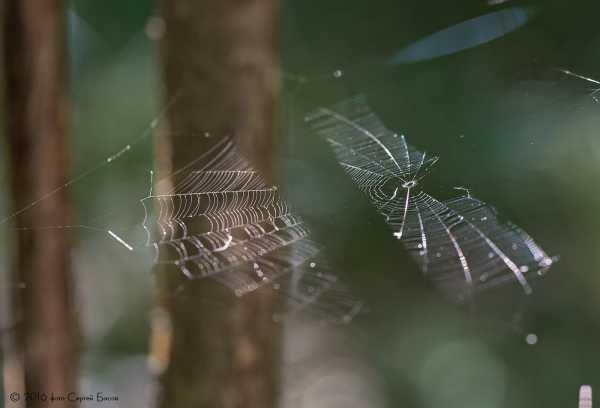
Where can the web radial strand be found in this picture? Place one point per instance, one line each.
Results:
(460, 244)
(222, 221)
(359, 138)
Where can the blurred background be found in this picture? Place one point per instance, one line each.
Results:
(490, 101)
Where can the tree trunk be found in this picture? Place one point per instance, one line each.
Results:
(34, 57)
(220, 60)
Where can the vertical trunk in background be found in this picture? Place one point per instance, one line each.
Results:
(220, 58)
(34, 58)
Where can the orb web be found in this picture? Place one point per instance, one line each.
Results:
(222, 221)
(459, 243)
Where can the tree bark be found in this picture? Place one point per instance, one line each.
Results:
(220, 59)
(34, 58)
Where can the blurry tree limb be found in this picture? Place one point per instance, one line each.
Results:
(221, 59)
(34, 70)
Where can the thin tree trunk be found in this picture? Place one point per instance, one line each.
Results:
(34, 57)
(221, 59)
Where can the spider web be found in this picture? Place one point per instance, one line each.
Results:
(595, 87)
(222, 221)
(459, 243)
